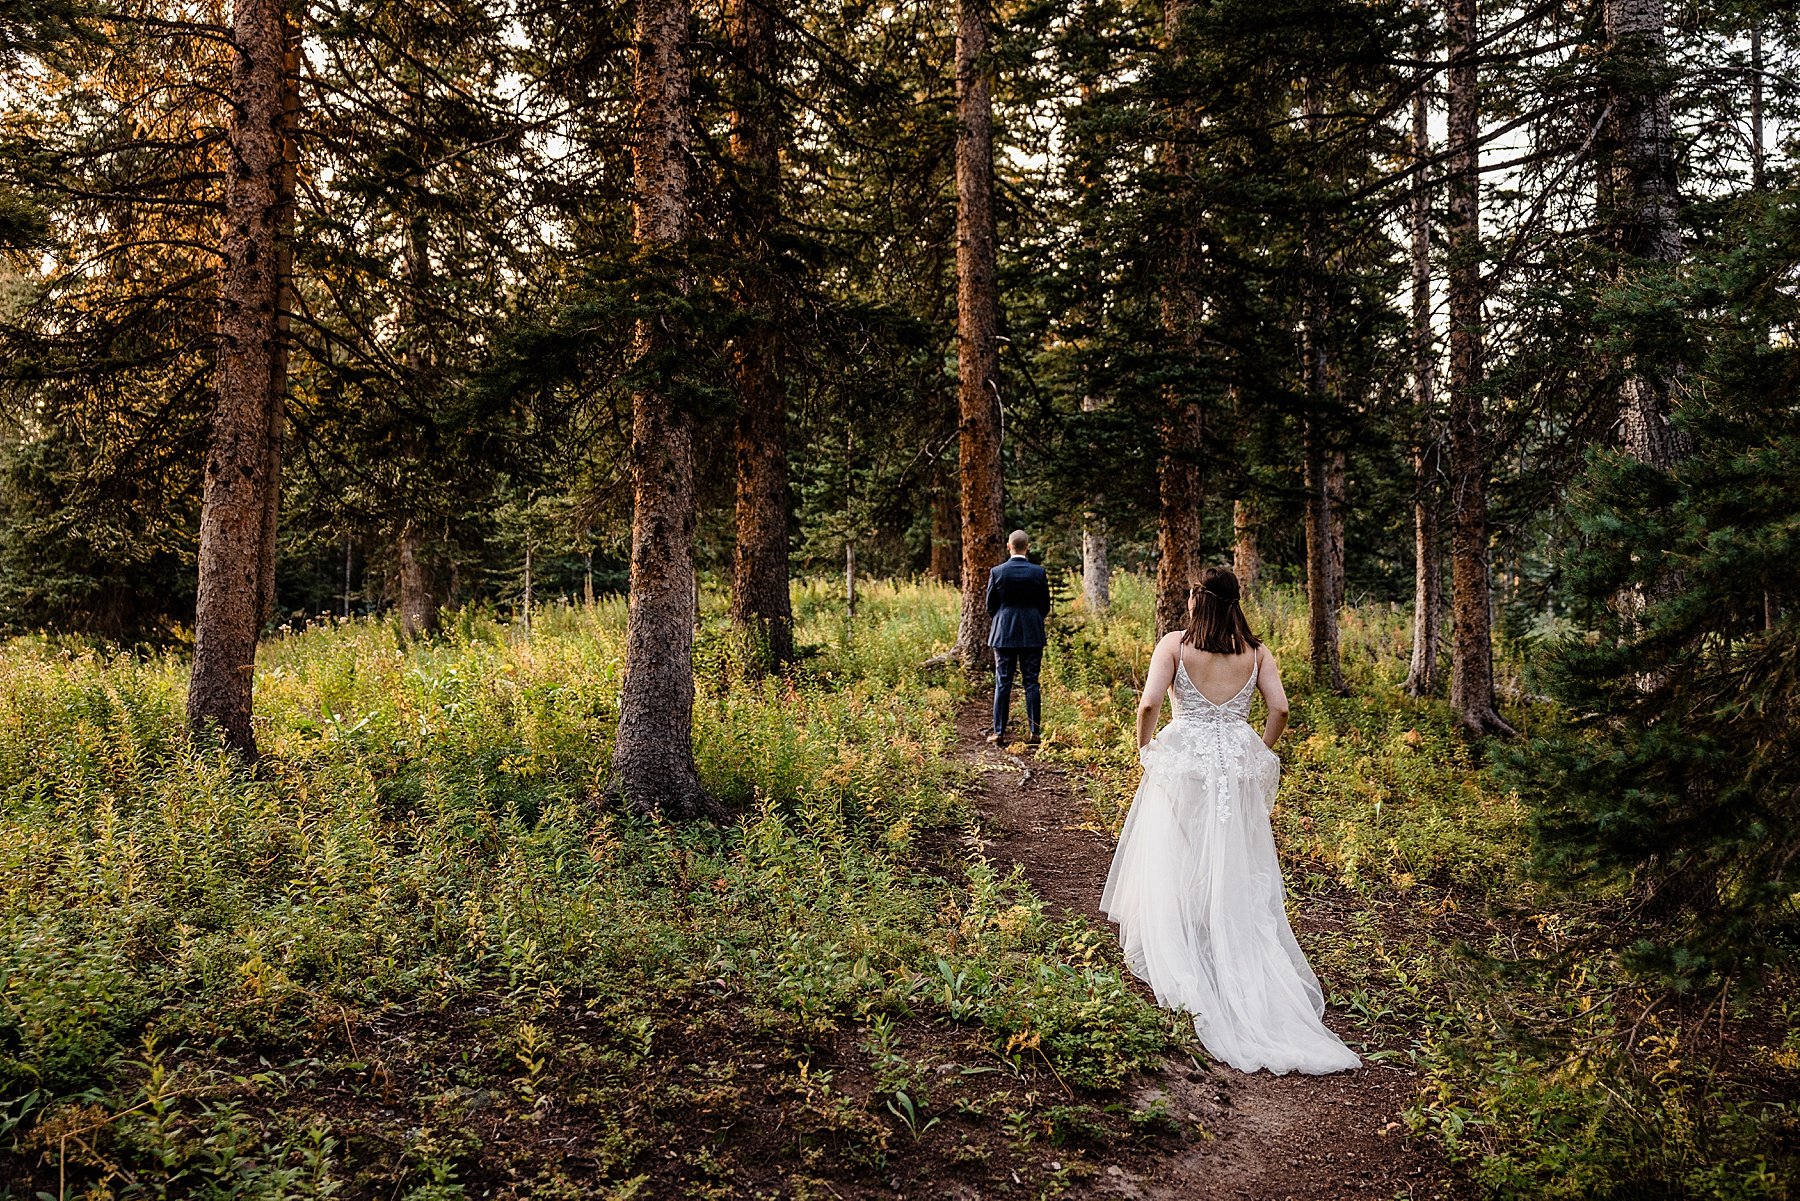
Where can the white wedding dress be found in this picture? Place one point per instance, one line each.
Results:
(1197, 892)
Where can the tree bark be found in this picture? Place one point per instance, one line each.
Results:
(348, 563)
(1179, 514)
(1317, 456)
(1180, 493)
(1472, 649)
(977, 332)
(1758, 164)
(527, 600)
(760, 604)
(237, 514)
(653, 756)
(1246, 555)
(418, 592)
(1337, 484)
(1638, 198)
(1428, 571)
(278, 360)
(419, 595)
(1096, 571)
(1322, 624)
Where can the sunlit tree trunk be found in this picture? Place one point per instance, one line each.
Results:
(1472, 649)
(239, 498)
(653, 756)
(760, 604)
(977, 331)
(1428, 571)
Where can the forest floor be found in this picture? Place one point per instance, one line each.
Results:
(1296, 1138)
(410, 959)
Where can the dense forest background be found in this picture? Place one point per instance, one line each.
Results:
(466, 279)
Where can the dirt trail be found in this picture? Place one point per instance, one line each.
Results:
(1304, 1138)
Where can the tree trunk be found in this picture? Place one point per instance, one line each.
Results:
(1322, 625)
(1638, 202)
(977, 331)
(1638, 199)
(1180, 494)
(1317, 457)
(418, 593)
(760, 605)
(945, 565)
(1246, 555)
(237, 514)
(1758, 165)
(1422, 673)
(348, 562)
(278, 360)
(527, 599)
(653, 756)
(1472, 649)
(850, 579)
(1179, 515)
(419, 597)
(1096, 572)
(1337, 484)
(1758, 181)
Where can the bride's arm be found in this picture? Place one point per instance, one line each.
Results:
(1156, 685)
(1268, 682)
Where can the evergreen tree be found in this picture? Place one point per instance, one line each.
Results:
(1674, 790)
(982, 497)
(653, 757)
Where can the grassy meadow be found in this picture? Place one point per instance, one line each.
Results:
(412, 956)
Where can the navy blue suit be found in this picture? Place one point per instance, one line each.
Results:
(1018, 600)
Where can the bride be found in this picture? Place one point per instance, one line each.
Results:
(1195, 886)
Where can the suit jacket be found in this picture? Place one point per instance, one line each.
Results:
(1018, 599)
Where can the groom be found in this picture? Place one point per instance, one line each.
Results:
(1018, 600)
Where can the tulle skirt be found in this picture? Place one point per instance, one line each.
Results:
(1197, 893)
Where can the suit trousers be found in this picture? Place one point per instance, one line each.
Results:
(1025, 661)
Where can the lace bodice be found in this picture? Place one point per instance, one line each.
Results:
(1192, 705)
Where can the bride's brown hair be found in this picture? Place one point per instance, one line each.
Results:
(1216, 621)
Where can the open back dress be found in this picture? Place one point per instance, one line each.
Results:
(1197, 892)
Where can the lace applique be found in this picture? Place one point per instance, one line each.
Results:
(1193, 708)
